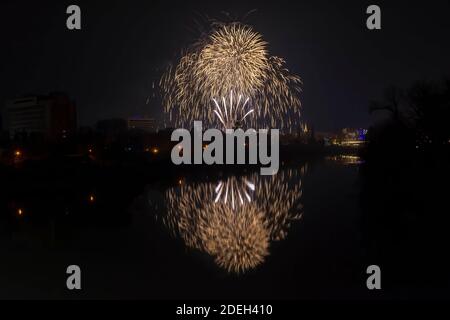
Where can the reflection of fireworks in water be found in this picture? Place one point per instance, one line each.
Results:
(236, 191)
(231, 57)
(236, 233)
(238, 240)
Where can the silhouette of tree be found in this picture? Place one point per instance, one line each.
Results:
(430, 103)
(393, 96)
(419, 117)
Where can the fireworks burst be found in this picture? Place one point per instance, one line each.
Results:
(235, 220)
(232, 113)
(235, 56)
(231, 57)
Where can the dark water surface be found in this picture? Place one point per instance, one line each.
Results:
(299, 234)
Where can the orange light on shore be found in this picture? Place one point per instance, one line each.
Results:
(91, 198)
(155, 150)
(18, 153)
(20, 212)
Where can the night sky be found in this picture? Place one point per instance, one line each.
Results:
(108, 67)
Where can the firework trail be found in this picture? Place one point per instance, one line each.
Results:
(232, 113)
(231, 58)
(235, 219)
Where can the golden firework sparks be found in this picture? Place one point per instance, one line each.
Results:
(235, 219)
(232, 57)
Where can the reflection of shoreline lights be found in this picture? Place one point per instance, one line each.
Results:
(346, 159)
(236, 233)
(231, 57)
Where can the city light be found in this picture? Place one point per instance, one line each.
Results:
(155, 150)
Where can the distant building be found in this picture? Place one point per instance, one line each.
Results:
(112, 130)
(53, 116)
(144, 124)
(326, 137)
(4, 137)
(112, 127)
(344, 137)
(352, 137)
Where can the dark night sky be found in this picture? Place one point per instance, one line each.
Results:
(109, 65)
